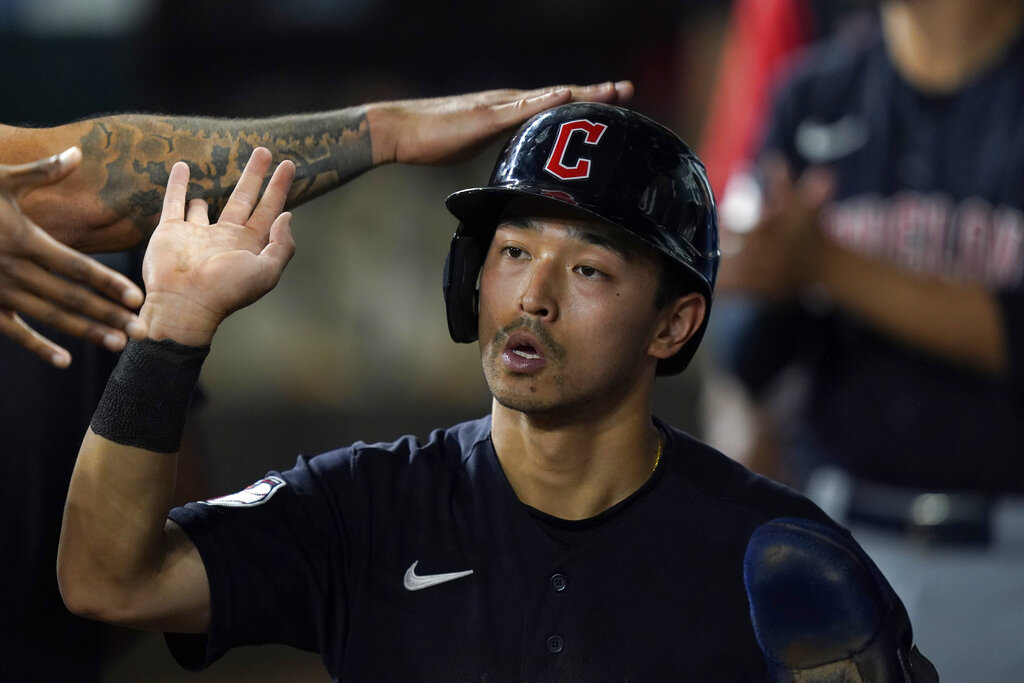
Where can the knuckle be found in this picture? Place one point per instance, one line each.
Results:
(75, 298)
(8, 264)
(51, 316)
(114, 318)
(9, 323)
(78, 269)
(93, 333)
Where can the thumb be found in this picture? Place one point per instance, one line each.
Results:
(281, 246)
(17, 179)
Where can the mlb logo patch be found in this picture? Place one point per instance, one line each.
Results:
(254, 494)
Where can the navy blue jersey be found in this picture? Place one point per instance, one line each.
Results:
(416, 561)
(934, 184)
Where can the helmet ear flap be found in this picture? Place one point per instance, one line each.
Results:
(461, 291)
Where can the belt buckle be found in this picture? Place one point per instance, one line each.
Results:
(945, 519)
(928, 518)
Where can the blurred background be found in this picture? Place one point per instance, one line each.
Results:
(353, 343)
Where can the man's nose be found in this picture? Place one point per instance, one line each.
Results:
(541, 290)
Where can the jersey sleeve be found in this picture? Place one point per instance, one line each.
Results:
(274, 556)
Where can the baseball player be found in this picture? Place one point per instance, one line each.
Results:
(567, 535)
(110, 200)
(891, 249)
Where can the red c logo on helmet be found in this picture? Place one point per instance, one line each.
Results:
(555, 165)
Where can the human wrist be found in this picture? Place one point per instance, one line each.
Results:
(147, 397)
(172, 317)
(382, 121)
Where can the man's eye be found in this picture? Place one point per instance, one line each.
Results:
(588, 271)
(513, 252)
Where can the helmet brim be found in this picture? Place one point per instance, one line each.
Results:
(480, 207)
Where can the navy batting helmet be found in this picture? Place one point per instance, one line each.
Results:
(611, 163)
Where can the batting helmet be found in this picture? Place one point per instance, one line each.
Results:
(611, 163)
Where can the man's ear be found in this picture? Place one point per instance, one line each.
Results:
(677, 322)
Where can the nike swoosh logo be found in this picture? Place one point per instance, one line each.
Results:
(415, 582)
(823, 142)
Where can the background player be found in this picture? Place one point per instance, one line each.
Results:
(529, 544)
(888, 269)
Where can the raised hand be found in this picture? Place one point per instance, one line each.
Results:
(32, 263)
(448, 129)
(197, 274)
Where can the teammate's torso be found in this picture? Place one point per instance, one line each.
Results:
(936, 185)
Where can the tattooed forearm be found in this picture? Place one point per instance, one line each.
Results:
(133, 155)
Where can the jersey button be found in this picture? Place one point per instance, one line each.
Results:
(555, 644)
(559, 583)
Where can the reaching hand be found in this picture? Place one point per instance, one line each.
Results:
(450, 129)
(197, 274)
(31, 263)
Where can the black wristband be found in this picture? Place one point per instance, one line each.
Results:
(148, 394)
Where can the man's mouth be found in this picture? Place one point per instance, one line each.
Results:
(524, 351)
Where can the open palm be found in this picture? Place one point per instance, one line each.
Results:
(197, 274)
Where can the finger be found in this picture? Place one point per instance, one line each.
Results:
(577, 93)
(601, 92)
(174, 197)
(533, 102)
(274, 198)
(498, 96)
(515, 112)
(20, 333)
(278, 252)
(624, 91)
(49, 252)
(198, 212)
(70, 296)
(41, 172)
(48, 314)
(281, 246)
(244, 196)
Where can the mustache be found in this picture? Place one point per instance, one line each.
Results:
(533, 325)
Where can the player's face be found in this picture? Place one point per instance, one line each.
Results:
(566, 314)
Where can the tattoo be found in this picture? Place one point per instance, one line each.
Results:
(133, 154)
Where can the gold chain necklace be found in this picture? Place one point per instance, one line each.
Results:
(657, 456)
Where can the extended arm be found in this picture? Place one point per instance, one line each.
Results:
(114, 199)
(953, 319)
(120, 560)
